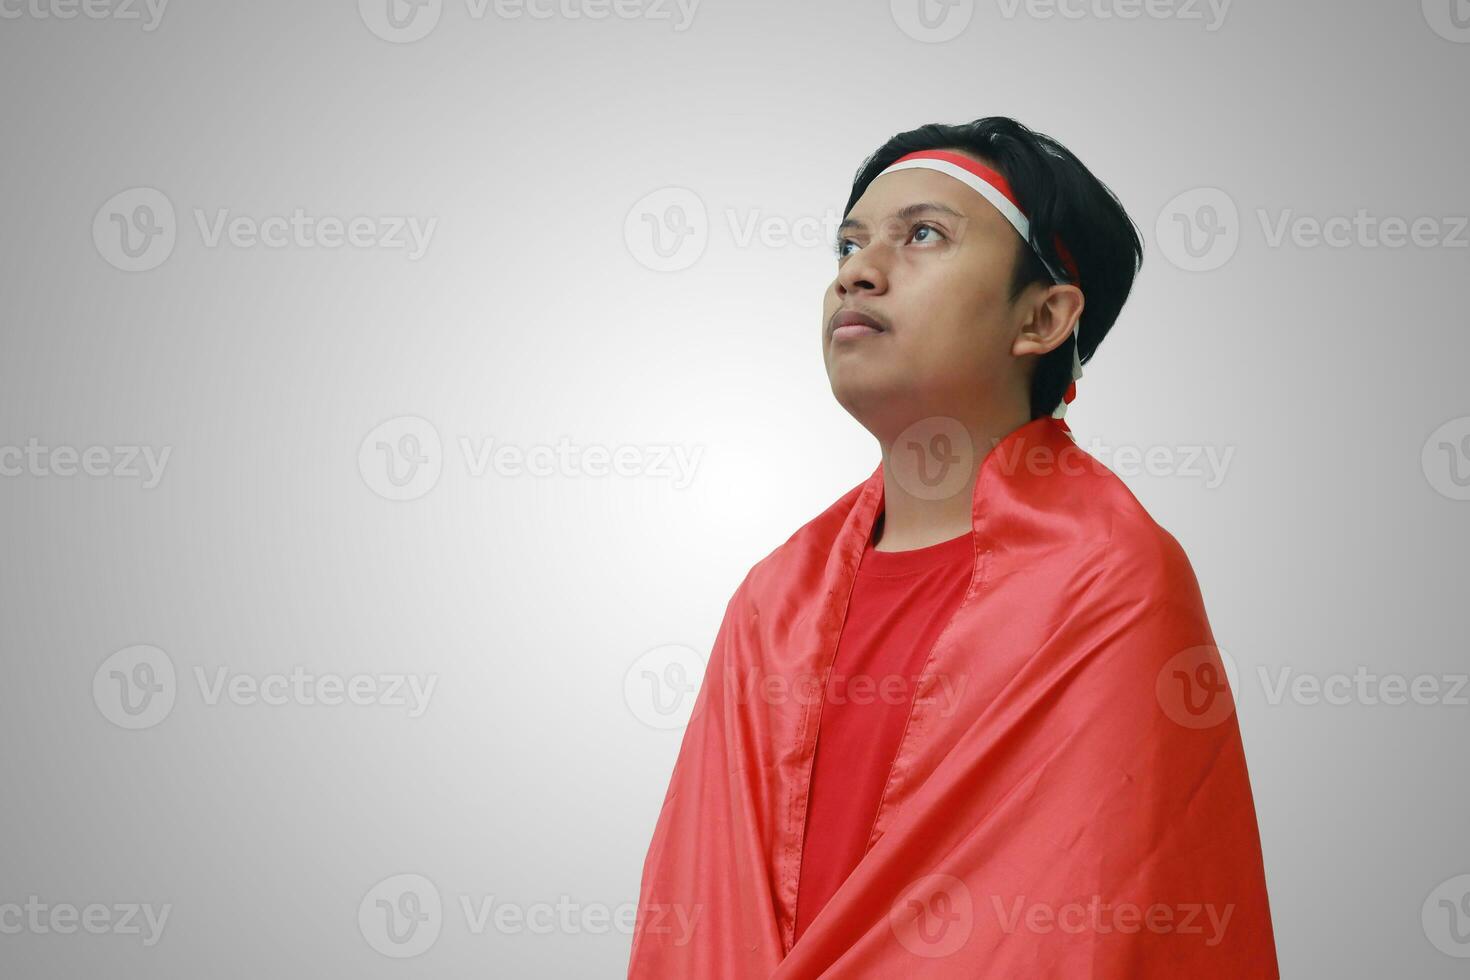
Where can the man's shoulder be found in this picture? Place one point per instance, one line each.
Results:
(1140, 551)
(1092, 506)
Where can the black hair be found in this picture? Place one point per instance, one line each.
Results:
(1061, 197)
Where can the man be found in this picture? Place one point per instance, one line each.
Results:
(1022, 758)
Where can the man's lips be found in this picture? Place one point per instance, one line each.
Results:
(851, 324)
(851, 330)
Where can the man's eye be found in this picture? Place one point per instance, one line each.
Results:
(930, 228)
(840, 247)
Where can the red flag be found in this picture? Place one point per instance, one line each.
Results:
(1070, 798)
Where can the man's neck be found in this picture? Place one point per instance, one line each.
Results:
(925, 500)
(913, 523)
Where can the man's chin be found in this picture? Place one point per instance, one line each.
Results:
(863, 391)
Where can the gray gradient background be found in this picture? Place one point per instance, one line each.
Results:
(1327, 548)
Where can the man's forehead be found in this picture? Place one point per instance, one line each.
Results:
(905, 194)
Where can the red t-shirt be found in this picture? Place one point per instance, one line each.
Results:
(900, 602)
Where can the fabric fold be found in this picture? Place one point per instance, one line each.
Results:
(1069, 799)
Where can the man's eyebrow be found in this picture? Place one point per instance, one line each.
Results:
(903, 214)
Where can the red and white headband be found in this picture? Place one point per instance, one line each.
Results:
(997, 190)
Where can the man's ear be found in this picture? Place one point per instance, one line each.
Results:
(1053, 316)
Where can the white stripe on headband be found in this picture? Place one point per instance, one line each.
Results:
(987, 190)
(984, 188)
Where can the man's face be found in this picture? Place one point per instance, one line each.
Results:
(937, 280)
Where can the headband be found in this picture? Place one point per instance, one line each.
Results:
(997, 190)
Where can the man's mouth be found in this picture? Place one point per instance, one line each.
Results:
(852, 324)
(850, 331)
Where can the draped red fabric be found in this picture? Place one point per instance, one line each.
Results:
(900, 602)
(1070, 796)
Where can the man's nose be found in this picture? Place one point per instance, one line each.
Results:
(865, 271)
